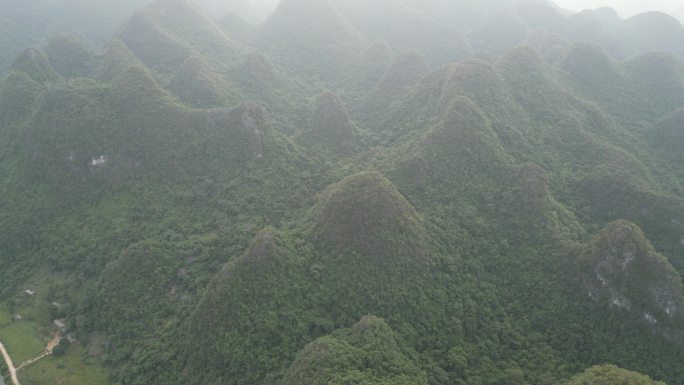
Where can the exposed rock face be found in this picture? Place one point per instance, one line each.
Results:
(330, 121)
(241, 133)
(621, 268)
(248, 122)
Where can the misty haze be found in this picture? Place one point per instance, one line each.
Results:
(341, 192)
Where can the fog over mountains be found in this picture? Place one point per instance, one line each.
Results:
(394, 192)
(625, 8)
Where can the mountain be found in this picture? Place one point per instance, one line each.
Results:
(309, 37)
(165, 33)
(69, 56)
(409, 30)
(242, 8)
(367, 209)
(331, 123)
(654, 31)
(402, 192)
(341, 355)
(32, 22)
(623, 270)
(197, 84)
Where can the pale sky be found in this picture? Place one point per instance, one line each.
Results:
(627, 8)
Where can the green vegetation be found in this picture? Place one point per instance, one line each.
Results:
(311, 36)
(72, 368)
(330, 121)
(330, 197)
(22, 339)
(26, 338)
(69, 56)
(367, 353)
(611, 375)
(197, 85)
(622, 268)
(365, 213)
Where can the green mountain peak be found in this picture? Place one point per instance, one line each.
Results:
(365, 214)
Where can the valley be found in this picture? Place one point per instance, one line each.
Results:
(341, 192)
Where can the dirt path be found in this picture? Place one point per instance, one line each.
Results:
(48, 351)
(10, 365)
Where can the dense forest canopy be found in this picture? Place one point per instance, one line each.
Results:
(429, 192)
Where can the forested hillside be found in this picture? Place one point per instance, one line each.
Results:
(424, 192)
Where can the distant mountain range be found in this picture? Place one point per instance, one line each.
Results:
(419, 192)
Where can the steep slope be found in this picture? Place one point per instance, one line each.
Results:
(365, 214)
(165, 33)
(341, 357)
(117, 59)
(272, 272)
(145, 278)
(657, 82)
(242, 8)
(540, 14)
(330, 124)
(503, 29)
(259, 79)
(393, 86)
(652, 83)
(621, 269)
(206, 215)
(310, 38)
(18, 95)
(69, 56)
(85, 131)
(654, 31)
(35, 64)
(409, 30)
(197, 84)
(667, 136)
(30, 22)
(593, 67)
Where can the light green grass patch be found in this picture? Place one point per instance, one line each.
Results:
(70, 369)
(22, 339)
